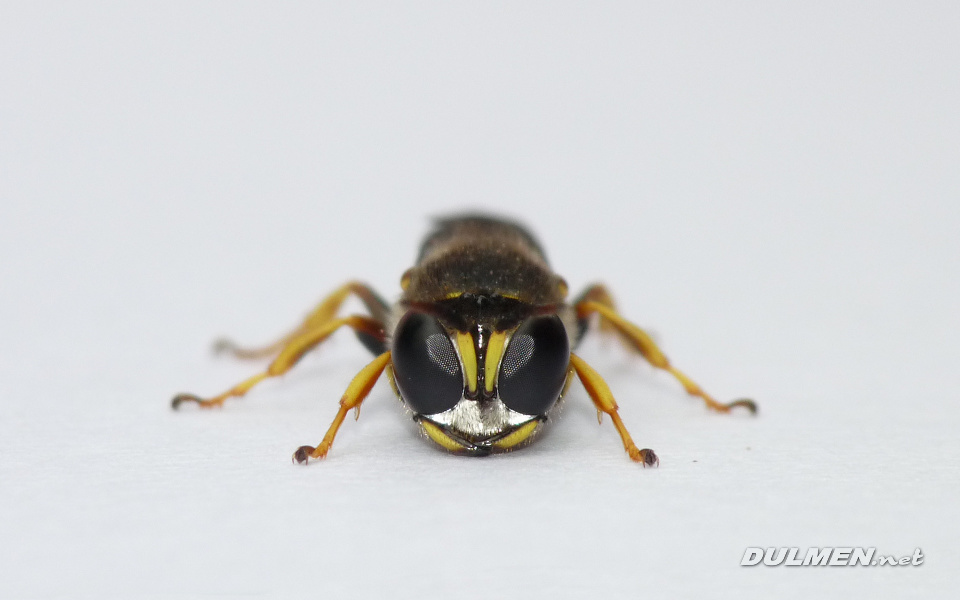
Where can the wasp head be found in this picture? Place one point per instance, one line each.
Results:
(479, 385)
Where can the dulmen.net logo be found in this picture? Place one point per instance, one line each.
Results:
(826, 557)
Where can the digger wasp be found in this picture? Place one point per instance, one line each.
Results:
(479, 346)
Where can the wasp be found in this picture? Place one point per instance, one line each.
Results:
(479, 347)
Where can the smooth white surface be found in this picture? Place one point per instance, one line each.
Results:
(771, 190)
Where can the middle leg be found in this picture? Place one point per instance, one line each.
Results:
(642, 343)
(290, 355)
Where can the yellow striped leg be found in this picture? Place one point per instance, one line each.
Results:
(291, 353)
(603, 399)
(642, 343)
(356, 392)
(322, 314)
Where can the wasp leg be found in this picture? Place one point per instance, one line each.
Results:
(291, 353)
(594, 293)
(603, 399)
(352, 399)
(323, 313)
(640, 341)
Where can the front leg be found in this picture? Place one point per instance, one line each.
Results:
(354, 396)
(603, 399)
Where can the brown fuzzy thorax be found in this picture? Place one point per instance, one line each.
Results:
(486, 258)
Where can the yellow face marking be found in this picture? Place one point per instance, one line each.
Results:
(495, 348)
(469, 357)
(393, 381)
(563, 288)
(452, 295)
(405, 279)
(436, 434)
(566, 384)
(522, 433)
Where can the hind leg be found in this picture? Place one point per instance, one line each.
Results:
(323, 313)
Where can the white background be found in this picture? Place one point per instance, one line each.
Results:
(771, 190)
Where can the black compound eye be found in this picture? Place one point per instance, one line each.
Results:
(426, 365)
(534, 366)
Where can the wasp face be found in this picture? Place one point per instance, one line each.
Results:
(480, 390)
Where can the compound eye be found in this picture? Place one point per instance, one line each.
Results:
(426, 365)
(534, 366)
